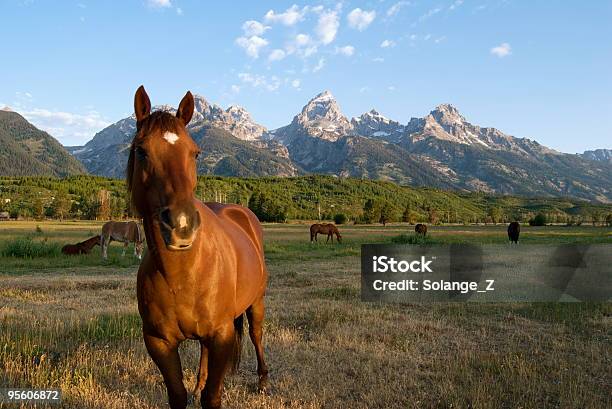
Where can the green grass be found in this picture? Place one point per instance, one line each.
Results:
(29, 248)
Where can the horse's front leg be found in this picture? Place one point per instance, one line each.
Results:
(220, 349)
(104, 244)
(166, 357)
(202, 371)
(125, 246)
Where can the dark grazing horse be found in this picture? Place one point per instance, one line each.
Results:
(205, 266)
(83, 247)
(514, 230)
(421, 229)
(326, 228)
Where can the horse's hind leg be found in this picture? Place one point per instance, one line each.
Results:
(166, 357)
(255, 315)
(202, 371)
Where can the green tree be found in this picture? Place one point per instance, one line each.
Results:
(371, 211)
(496, 213)
(538, 220)
(61, 206)
(387, 213)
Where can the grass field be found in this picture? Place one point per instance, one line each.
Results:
(72, 323)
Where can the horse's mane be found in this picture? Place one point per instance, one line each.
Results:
(159, 120)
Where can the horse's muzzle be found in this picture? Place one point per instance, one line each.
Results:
(179, 227)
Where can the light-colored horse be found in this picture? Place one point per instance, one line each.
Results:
(124, 232)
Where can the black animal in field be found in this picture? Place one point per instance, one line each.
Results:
(421, 229)
(514, 230)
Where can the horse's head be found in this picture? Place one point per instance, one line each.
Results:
(161, 170)
(338, 236)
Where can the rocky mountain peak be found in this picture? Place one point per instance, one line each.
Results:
(447, 114)
(6, 109)
(374, 124)
(322, 106)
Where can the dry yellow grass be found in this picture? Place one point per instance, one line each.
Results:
(78, 329)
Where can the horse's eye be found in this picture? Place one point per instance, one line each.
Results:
(141, 154)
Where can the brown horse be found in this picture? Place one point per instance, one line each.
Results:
(421, 229)
(124, 232)
(327, 228)
(83, 247)
(205, 266)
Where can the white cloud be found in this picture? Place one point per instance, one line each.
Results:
(159, 3)
(394, 9)
(302, 45)
(235, 88)
(378, 59)
(387, 44)
(347, 50)
(254, 28)
(260, 81)
(440, 39)
(276, 55)
(69, 128)
(327, 26)
(288, 18)
(296, 84)
(391, 87)
(430, 13)
(502, 50)
(319, 65)
(427, 37)
(302, 39)
(456, 5)
(360, 19)
(252, 45)
(363, 89)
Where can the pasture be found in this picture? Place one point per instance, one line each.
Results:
(72, 323)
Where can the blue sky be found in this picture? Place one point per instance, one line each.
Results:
(537, 69)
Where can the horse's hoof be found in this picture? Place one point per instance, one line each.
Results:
(262, 385)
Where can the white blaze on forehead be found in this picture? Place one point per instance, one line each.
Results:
(182, 221)
(171, 137)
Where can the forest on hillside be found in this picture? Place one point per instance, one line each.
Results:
(278, 199)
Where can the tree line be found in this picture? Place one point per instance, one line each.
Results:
(277, 199)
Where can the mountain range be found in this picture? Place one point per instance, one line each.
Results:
(442, 149)
(26, 150)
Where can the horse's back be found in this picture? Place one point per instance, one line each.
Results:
(241, 216)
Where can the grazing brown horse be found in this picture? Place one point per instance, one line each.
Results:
(421, 229)
(514, 230)
(205, 266)
(124, 232)
(83, 247)
(327, 228)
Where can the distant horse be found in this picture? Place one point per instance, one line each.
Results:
(327, 228)
(205, 267)
(514, 230)
(421, 229)
(124, 232)
(83, 247)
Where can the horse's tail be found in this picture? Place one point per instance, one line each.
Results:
(238, 331)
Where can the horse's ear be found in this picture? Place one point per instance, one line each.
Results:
(185, 109)
(142, 105)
